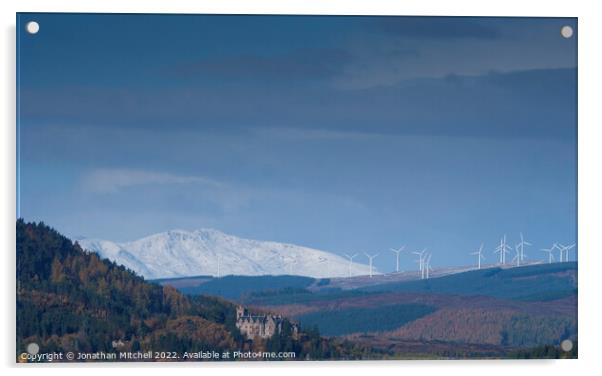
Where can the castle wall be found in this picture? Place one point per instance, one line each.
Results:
(264, 326)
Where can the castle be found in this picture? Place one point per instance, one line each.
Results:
(262, 326)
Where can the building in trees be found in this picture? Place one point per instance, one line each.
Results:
(262, 326)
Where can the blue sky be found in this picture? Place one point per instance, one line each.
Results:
(347, 134)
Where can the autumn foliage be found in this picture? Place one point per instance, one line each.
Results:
(69, 299)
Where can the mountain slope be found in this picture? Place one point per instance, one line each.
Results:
(71, 300)
(181, 253)
(533, 282)
(526, 306)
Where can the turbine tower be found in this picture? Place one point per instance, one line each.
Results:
(427, 266)
(371, 257)
(397, 252)
(218, 266)
(570, 247)
(517, 257)
(502, 249)
(479, 255)
(350, 257)
(560, 251)
(420, 261)
(550, 252)
(565, 249)
(522, 245)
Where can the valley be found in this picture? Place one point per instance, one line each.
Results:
(489, 312)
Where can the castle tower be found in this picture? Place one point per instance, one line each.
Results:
(240, 312)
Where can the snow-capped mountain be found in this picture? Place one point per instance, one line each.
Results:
(181, 253)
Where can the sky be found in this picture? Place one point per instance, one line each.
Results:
(346, 134)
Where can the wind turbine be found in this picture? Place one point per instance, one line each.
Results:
(480, 256)
(517, 257)
(560, 251)
(218, 266)
(572, 246)
(565, 249)
(371, 257)
(522, 245)
(502, 249)
(420, 261)
(550, 252)
(397, 252)
(427, 265)
(350, 257)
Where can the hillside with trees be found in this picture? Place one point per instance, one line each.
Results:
(69, 299)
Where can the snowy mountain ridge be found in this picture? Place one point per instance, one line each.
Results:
(180, 253)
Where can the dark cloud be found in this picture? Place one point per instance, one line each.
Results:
(539, 103)
(312, 64)
(533, 103)
(437, 27)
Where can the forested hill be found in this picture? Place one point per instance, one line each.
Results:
(71, 300)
